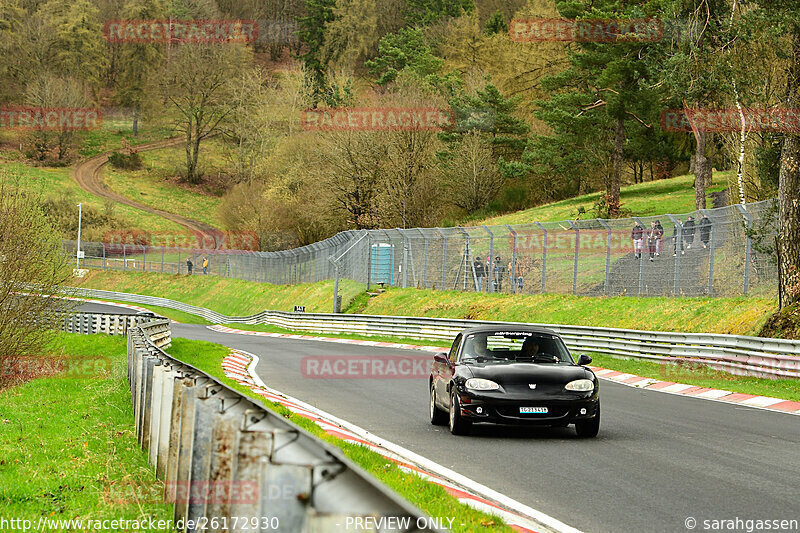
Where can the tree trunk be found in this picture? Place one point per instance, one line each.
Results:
(615, 180)
(135, 121)
(789, 190)
(702, 170)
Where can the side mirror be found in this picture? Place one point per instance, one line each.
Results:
(441, 358)
(584, 359)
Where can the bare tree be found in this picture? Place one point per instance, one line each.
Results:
(31, 261)
(472, 177)
(48, 91)
(199, 83)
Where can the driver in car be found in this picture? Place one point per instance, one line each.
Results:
(530, 347)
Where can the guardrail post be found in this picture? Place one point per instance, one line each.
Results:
(544, 256)
(748, 247)
(155, 413)
(165, 419)
(226, 422)
(204, 405)
(255, 446)
(444, 258)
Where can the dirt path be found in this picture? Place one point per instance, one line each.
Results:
(89, 176)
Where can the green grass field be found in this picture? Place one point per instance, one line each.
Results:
(652, 198)
(55, 182)
(156, 184)
(67, 442)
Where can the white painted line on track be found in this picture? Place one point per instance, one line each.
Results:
(513, 512)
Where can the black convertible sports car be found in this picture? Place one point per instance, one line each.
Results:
(518, 376)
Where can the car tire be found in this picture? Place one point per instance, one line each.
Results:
(458, 426)
(587, 429)
(438, 417)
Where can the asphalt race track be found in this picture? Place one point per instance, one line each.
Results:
(659, 458)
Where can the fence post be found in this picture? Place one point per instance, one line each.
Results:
(608, 254)
(678, 244)
(575, 260)
(748, 247)
(544, 256)
(641, 261)
(513, 260)
(490, 274)
(444, 254)
(425, 258)
(104, 255)
(124, 257)
(162, 259)
(144, 257)
(405, 265)
(710, 257)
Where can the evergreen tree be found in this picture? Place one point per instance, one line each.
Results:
(496, 24)
(311, 33)
(425, 12)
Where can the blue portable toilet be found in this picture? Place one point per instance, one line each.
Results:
(382, 263)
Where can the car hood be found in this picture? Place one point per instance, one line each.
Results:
(523, 373)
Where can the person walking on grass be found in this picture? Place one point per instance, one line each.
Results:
(660, 240)
(205, 265)
(189, 265)
(705, 231)
(652, 240)
(636, 236)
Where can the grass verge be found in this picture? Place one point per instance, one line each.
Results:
(230, 297)
(738, 316)
(67, 442)
(431, 499)
(701, 376)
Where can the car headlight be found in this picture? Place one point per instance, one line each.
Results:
(582, 385)
(481, 384)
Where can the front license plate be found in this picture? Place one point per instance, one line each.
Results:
(533, 410)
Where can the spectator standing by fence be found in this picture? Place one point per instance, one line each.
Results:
(705, 231)
(637, 235)
(499, 270)
(688, 232)
(189, 265)
(205, 265)
(480, 273)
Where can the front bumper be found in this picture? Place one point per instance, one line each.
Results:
(560, 412)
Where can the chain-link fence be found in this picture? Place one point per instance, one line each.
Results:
(705, 253)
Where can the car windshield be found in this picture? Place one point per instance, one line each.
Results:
(510, 346)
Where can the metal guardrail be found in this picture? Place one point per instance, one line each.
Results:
(736, 354)
(227, 460)
(158, 329)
